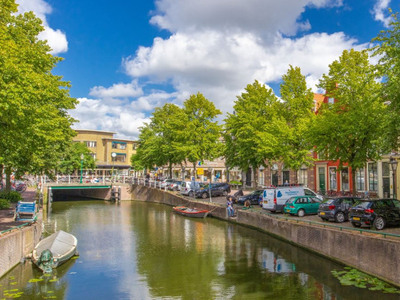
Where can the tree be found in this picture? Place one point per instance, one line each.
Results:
(160, 141)
(350, 129)
(296, 114)
(249, 135)
(201, 136)
(388, 51)
(71, 160)
(34, 122)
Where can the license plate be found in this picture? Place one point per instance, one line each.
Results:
(266, 202)
(288, 210)
(322, 213)
(356, 219)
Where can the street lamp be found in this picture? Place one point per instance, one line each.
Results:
(113, 155)
(82, 157)
(209, 186)
(183, 173)
(393, 165)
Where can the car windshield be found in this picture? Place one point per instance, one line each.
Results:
(258, 192)
(328, 201)
(290, 200)
(363, 204)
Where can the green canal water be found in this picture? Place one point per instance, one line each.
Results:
(136, 250)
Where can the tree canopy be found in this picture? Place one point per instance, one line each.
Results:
(349, 127)
(34, 123)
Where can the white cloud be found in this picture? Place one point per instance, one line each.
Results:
(261, 16)
(381, 12)
(117, 90)
(95, 114)
(56, 39)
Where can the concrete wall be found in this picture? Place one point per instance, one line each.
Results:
(369, 253)
(16, 245)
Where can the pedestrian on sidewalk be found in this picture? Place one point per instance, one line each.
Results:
(229, 204)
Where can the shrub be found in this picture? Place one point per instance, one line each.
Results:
(4, 203)
(11, 196)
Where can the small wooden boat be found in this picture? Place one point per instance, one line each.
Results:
(191, 212)
(54, 250)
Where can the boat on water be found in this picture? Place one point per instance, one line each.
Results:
(191, 212)
(54, 250)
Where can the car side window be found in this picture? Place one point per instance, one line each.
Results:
(348, 201)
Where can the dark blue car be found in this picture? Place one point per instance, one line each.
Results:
(253, 197)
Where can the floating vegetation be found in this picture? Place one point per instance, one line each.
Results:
(53, 280)
(35, 280)
(15, 293)
(361, 280)
(13, 283)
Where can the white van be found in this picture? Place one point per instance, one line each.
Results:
(189, 187)
(274, 198)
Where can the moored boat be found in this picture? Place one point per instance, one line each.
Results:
(54, 250)
(191, 212)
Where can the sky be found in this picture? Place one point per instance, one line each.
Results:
(126, 57)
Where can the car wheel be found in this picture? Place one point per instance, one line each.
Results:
(339, 217)
(301, 212)
(379, 223)
(204, 195)
(356, 224)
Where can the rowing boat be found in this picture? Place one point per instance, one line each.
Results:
(191, 212)
(54, 250)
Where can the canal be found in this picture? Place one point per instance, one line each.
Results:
(136, 250)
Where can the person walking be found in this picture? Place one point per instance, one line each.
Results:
(229, 204)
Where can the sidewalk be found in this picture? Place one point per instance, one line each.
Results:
(7, 215)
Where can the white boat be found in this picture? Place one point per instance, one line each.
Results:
(54, 250)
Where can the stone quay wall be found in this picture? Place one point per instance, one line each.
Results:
(367, 252)
(17, 244)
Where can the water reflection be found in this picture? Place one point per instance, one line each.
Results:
(145, 251)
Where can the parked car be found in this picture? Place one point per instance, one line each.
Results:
(253, 197)
(175, 185)
(216, 189)
(302, 205)
(166, 182)
(188, 188)
(376, 213)
(336, 209)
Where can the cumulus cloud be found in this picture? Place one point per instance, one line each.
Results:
(94, 114)
(381, 12)
(118, 90)
(56, 39)
(259, 16)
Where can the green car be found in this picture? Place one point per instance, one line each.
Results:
(302, 205)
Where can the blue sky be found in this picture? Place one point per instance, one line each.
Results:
(126, 57)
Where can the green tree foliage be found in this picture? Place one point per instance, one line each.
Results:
(160, 141)
(200, 138)
(71, 160)
(350, 129)
(388, 51)
(250, 138)
(296, 114)
(34, 124)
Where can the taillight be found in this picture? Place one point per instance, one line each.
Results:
(331, 207)
(369, 211)
(291, 206)
(274, 200)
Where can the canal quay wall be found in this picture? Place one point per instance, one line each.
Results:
(17, 244)
(367, 252)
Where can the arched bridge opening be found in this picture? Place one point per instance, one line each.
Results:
(79, 192)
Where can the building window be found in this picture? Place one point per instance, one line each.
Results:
(345, 179)
(332, 178)
(373, 176)
(120, 158)
(91, 144)
(93, 155)
(303, 175)
(114, 145)
(331, 100)
(134, 146)
(360, 179)
(122, 146)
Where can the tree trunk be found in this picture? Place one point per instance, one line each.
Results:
(353, 176)
(8, 178)
(255, 176)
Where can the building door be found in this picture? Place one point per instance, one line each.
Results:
(274, 178)
(321, 177)
(385, 180)
(248, 177)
